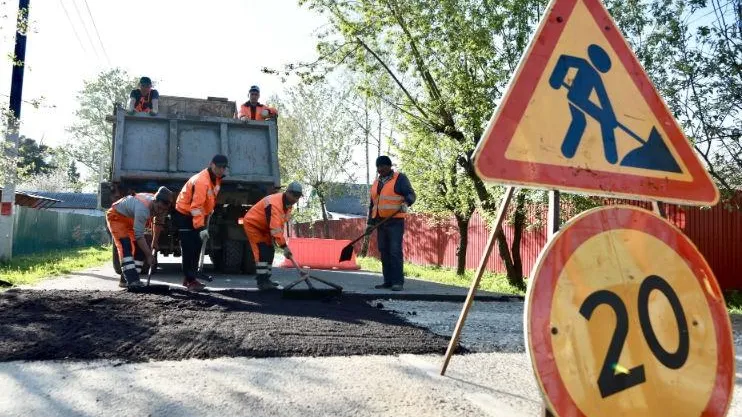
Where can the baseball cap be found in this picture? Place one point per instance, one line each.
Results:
(383, 160)
(254, 88)
(295, 188)
(220, 161)
(145, 81)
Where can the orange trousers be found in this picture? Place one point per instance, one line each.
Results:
(122, 231)
(261, 244)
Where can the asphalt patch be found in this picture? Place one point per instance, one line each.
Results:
(88, 325)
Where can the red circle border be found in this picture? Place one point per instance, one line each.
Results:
(543, 284)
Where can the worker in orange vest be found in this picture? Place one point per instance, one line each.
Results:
(195, 204)
(391, 195)
(145, 99)
(264, 227)
(254, 110)
(127, 220)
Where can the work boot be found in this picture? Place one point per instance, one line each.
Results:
(122, 282)
(193, 285)
(397, 287)
(265, 284)
(383, 286)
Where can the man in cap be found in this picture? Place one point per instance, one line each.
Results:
(144, 99)
(126, 220)
(254, 110)
(391, 195)
(264, 227)
(195, 204)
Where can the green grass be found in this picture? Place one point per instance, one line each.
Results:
(28, 269)
(490, 282)
(734, 302)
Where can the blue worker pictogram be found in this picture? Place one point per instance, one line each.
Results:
(652, 154)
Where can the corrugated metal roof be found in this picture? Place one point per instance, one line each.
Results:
(25, 199)
(71, 200)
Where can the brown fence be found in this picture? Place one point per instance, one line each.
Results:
(717, 232)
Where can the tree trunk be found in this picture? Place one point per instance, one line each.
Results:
(325, 220)
(519, 223)
(463, 225)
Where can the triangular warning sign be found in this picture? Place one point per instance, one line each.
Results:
(581, 114)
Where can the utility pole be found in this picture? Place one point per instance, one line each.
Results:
(7, 203)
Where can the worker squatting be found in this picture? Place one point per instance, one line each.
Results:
(264, 224)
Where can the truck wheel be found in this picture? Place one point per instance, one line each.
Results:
(216, 259)
(116, 261)
(248, 260)
(233, 250)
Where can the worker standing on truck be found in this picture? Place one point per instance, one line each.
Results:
(254, 110)
(127, 219)
(391, 195)
(145, 99)
(195, 204)
(264, 227)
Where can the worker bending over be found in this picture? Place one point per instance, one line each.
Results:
(264, 227)
(391, 195)
(254, 110)
(127, 219)
(145, 99)
(195, 204)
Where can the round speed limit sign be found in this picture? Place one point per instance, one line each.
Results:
(625, 318)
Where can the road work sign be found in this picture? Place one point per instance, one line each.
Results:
(581, 114)
(625, 318)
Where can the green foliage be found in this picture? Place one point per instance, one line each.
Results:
(93, 137)
(33, 157)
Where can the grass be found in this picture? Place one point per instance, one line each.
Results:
(490, 282)
(734, 302)
(28, 269)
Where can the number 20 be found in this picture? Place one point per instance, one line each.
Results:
(611, 383)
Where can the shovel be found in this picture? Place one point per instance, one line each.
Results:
(347, 253)
(151, 289)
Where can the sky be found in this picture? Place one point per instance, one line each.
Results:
(188, 48)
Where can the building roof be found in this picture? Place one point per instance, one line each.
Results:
(25, 199)
(348, 199)
(71, 200)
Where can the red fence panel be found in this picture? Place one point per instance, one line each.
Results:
(717, 232)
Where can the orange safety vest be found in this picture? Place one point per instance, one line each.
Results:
(198, 197)
(247, 111)
(257, 217)
(388, 202)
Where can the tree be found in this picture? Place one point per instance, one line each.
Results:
(317, 145)
(93, 135)
(34, 157)
(73, 176)
(449, 60)
(443, 189)
(62, 177)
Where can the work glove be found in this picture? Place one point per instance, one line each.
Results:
(404, 208)
(152, 113)
(203, 234)
(287, 252)
(265, 113)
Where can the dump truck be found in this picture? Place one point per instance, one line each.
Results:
(169, 148)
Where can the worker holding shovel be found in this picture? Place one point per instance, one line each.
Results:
(391, 195)
(264, 227)
(127, 219)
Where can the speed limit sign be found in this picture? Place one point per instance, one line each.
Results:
(625, 318)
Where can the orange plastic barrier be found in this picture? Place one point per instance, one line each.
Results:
(319, 254)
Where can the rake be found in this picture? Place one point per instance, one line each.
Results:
(312, 292)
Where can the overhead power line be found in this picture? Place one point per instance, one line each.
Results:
(85, 28)
(73, 26)
(103, 48)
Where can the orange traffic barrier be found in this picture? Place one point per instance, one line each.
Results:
(319, 254)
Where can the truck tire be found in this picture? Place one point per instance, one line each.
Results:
(217, 258)
(232, 259)
(248, 260)
(116, 261)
